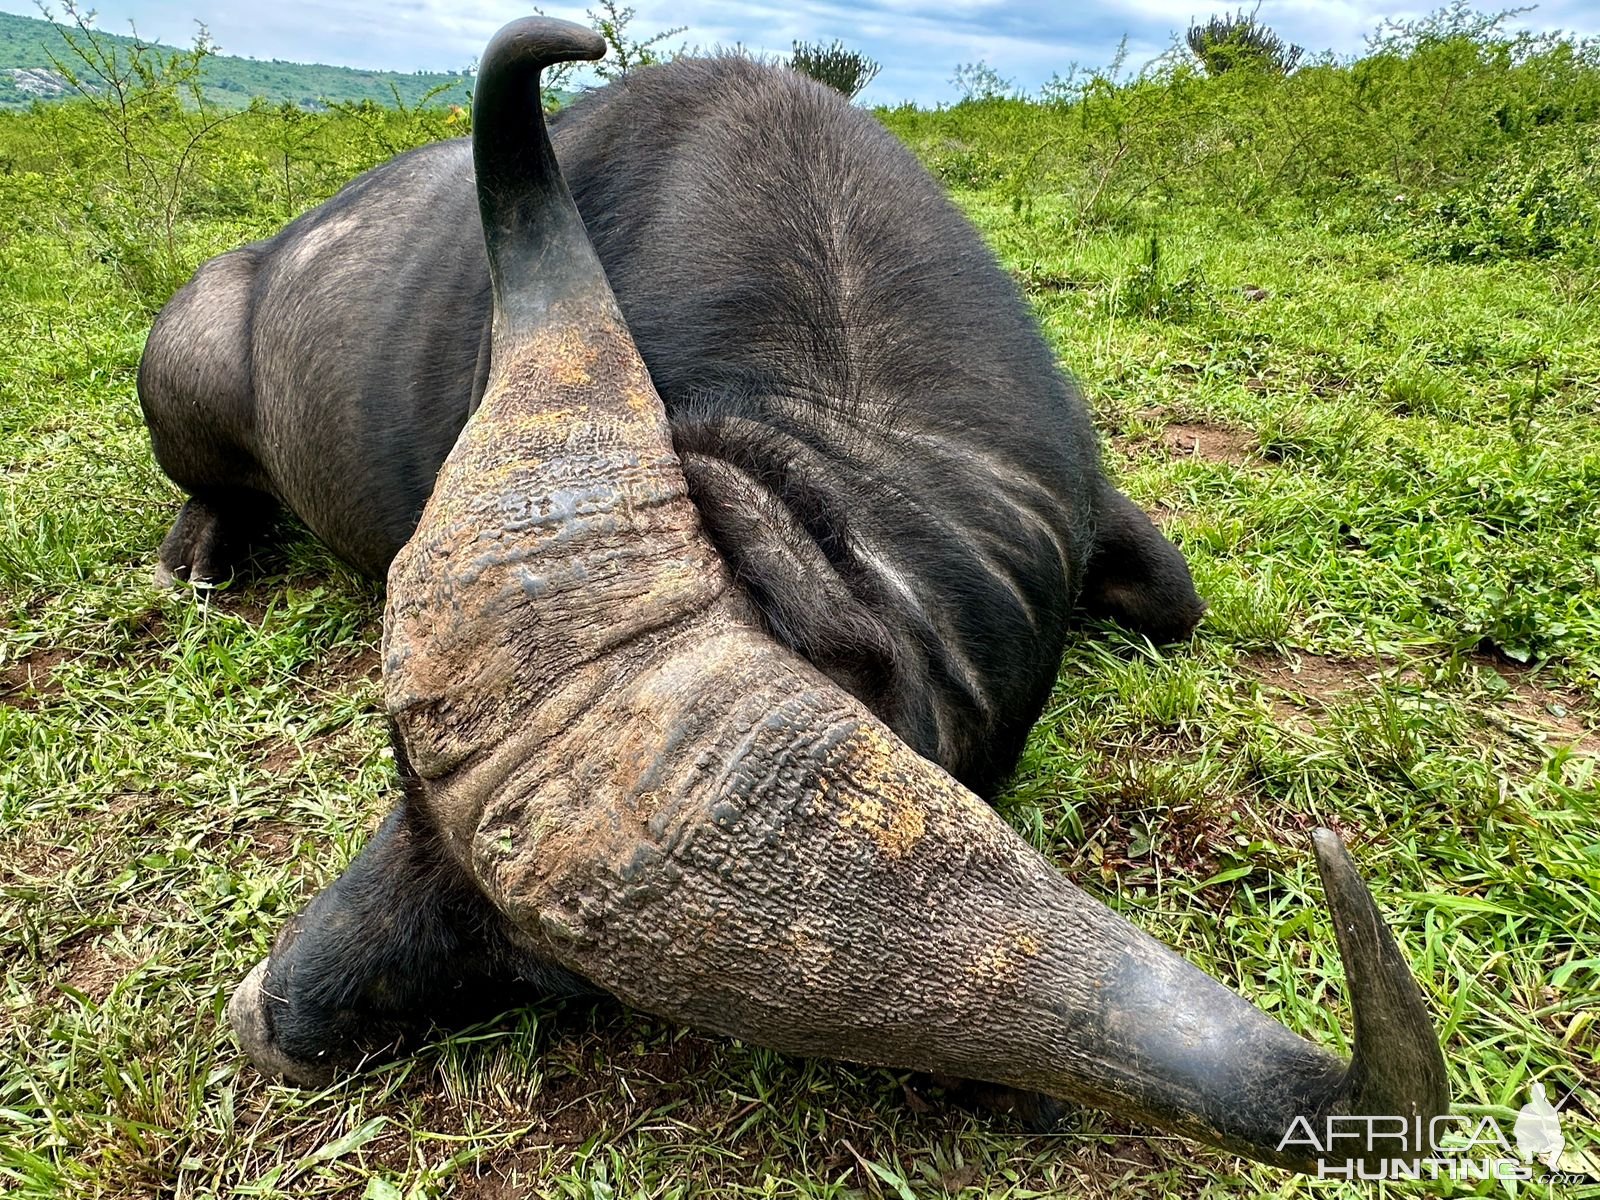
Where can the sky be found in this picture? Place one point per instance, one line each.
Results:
(919, 42)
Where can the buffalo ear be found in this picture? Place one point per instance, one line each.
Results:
(1136, 577)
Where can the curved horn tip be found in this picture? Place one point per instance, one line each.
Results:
(1355, 912)
(1341, 883)
(545, 40)
(1397, 1067)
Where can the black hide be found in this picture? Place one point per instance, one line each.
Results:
(877, 436)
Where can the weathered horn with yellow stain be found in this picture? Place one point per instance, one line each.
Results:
(667, 802)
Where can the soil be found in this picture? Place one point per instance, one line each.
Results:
(29, 682)
(1565, 717)
(1293, 684)
(1214, 443)
(91, 966)
(1561, 717)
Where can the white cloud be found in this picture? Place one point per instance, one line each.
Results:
(918, 41)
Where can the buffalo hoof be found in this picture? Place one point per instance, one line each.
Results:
(211, 539)
(252, 1026)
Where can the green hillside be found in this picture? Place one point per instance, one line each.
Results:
(28, 45)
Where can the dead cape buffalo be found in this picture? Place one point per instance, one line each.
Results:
(878, 439)
(682, 690)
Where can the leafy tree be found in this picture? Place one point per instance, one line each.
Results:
(846, 71)
(155, 118)
(1240, 40)
(626, 52)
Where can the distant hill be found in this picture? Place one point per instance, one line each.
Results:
(26, 75)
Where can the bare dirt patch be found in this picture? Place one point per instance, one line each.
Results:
(1165, 515)
(274, 839)
(148, 624)
(493, 1186)
(1207, 441)
(249, 601)
(270, 839)
(279, 754)
(365, 663)
(1151, 821)
(91, 966)
(1565, 717)
(32, 857)
(1213, 443)
(601, 1067)
(1299, 686)
(1188, 840)
(47, 851)
(602, 1084)
(348, 668)
(1310, 675)
(29, 682)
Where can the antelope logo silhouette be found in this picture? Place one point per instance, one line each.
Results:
(1538, 1129)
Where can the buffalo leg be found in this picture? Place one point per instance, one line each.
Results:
(1136, 577)
(199, 405)
(213, 535)
(402, 939)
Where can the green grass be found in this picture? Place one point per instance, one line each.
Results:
(1385, 471)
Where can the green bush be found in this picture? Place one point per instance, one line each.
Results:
(1432, 108)
(962, 165)
(1539, 204)
(176, 176)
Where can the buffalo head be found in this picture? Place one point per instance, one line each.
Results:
(654, 794)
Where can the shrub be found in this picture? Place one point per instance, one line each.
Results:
(1538, 204)
(846, 71)
(963, 165)
(979, 81)
(1429, 113)
(1228, 43)
(151, 119)
(624, 51)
